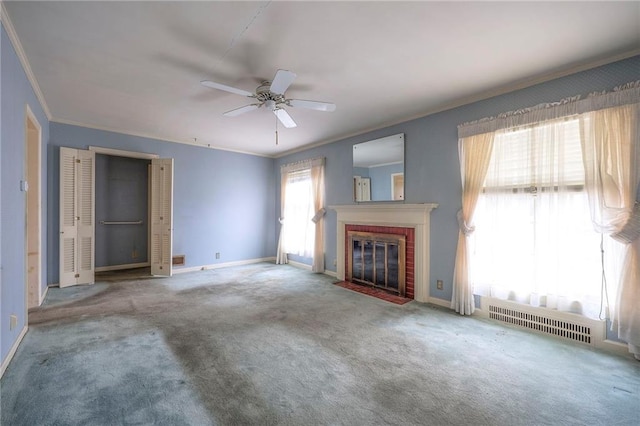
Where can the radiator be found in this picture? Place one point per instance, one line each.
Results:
(563, 325)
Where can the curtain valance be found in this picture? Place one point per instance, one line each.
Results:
(302, 164)
(622, 95)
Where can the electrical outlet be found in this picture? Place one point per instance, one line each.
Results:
(439, 284)
(218, 255)
(13, 321)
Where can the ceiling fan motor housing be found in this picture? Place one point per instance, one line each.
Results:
(265, 95)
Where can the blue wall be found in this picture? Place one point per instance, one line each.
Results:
(223, 201)
(432, 171)
(16, 94)
(121, 195)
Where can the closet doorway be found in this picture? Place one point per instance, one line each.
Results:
(122, 213)
(78, 213)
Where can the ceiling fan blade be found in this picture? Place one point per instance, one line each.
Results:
(282, 81)
(241, 110)
(284, 118)
(319, 106)
(219, 86)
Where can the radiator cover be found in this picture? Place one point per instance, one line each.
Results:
(563, 325)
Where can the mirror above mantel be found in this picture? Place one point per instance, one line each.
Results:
(378, 169)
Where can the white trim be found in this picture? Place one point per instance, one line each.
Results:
(17, 46)
(43, 296)
(122, 153)
(299, 265)
(393, 186)
(121, 267)
(440, 302)
(519, 85)
(13, 350)
(619, 348)
(330, 273)
(156, 137)
(306, 267)
(31, 117)
(271, 259)
(416, 216)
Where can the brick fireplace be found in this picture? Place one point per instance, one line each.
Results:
(410, 221)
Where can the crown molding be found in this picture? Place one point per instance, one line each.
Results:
(155, 137)
(17, 46)
(502, 90)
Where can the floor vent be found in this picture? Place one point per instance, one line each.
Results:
(561, 328)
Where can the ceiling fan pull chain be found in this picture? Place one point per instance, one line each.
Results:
(276, 130)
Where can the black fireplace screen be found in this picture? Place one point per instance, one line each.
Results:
(378, 261)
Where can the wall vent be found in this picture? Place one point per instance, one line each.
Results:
(541, 323)
(178, 260)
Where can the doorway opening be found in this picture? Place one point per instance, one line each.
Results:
(122, 212)
(33, 220)
(397, 186)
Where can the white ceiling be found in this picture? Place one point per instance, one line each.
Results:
(136, 67)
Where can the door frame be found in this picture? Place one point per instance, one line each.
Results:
(140, 156)
(394, 178)
(33, 145)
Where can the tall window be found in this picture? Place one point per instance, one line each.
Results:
(302, 212)
(534, 241)
(299, 232)
(545, 191)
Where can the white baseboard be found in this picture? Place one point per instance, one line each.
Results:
(440, 302)
(299, 265)
(121, 267)
(223, 265)
(333, 274)
(308, 268)
(13, 350)
(43, 295)
(616, 347)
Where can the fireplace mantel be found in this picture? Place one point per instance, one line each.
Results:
(416, 216)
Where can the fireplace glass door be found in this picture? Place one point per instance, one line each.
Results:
(378, 260)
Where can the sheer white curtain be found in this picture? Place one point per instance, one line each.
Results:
(318, 192)
(281, 255)
(610, 146)
(302, 212)
(475, 154)
(535, 243)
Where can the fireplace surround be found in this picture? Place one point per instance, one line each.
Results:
(410, 220)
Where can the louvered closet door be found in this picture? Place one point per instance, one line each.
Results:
(77, 217)
(161, 216)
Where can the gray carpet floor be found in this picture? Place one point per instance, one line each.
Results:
(275, 345)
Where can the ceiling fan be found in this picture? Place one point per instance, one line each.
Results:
(270, 94)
